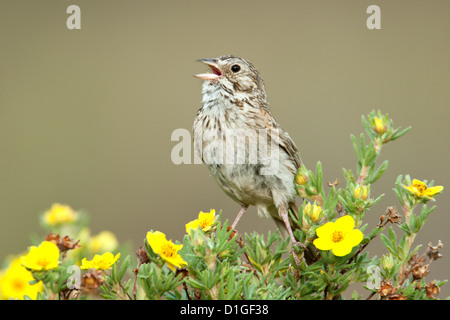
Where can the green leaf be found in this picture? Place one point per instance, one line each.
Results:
(114, 274)
(399, 196)
(414, 223)
(33, 282)
(362, 148)
(348, 174)
(387, 244)
(355, 147)
(368, 128)
(403, 248)
(319, 177)
(379, 172)
(375, 232)
(392, 237)
(370, 155)
(377, 199)
(404, 226)
(312, 178)
(124, 267)
(397, 134)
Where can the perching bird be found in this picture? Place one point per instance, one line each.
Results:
(259, 170)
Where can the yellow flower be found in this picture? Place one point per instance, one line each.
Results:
(166, 249)
(59, 214)
(421, 190)
(301, 178)
(314, 212)
(205, 221)
(361, 192)
(379, 125)
(14, 282)
(103, 242)
(44, 257)
(103, 262)
(339, 236)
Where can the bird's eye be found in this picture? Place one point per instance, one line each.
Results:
(235, 68)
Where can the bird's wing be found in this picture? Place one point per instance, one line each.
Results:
(289, 146)
(284, 140)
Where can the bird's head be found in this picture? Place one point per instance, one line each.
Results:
(234, 74)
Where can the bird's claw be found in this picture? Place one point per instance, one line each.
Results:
(294, 253)
(298, 244)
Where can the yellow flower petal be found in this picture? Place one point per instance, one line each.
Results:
(100, 262)
(15, 282)
(341, 249)
(323, 243)
(44, 257)
(205, 221)
(411, 188)
(156, 240)
(345, 223)
(166, 249)
(194, 224)
(431, 191)
(85, 264)
(324, 230)
(354, 237)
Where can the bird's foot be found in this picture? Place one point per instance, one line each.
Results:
(298, 244)
(294, 252)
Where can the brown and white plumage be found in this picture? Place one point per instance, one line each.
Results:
(235, 101)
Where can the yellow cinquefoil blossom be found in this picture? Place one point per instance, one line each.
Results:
(44, 257)
(103, 242)
(100, 262)
(205, 221)
(59, 214)
(421, 190)
(166, 249)
(339, 236)
(15, 282)
(314, 212)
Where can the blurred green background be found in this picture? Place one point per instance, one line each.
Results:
(86, 115)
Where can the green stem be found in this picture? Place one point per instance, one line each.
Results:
(408, 211)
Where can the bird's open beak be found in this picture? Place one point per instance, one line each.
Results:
(216, 73)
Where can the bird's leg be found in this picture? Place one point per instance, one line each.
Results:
(244, 208)
(284, 215)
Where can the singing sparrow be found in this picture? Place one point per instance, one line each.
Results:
(235, 105)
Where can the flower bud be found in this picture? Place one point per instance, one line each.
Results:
(387, 262)
(379, 125)
(314, 212)
(361, 192)
(301, 178)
